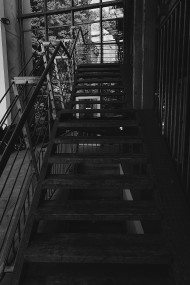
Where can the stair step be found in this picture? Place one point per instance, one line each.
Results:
(99, 69)
(98, 139)
(111, 87)
(98, 123)
(95, 102)
(118, 113)
(98, 94)
(97, 158)
(98, 210)
(84, 74)
(97, 248)
(27, 79)
(100, 65)
(97, 181)
(103, 80)
(100, 274)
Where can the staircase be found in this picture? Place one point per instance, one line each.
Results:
(98, 84)
(103, 224)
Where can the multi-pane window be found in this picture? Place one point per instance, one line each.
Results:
(49, 20)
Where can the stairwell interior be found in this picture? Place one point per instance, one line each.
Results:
(103, 225)
(105, 205)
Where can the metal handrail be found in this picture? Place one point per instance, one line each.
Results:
(14, 224)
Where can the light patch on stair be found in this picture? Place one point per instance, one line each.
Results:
(90, 98)
(134, 227)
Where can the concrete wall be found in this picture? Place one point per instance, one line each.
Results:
(10, 48)
(4, 78)
(13, 38)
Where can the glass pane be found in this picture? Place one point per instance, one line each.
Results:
(36, 27)
(111, 12)
(59, 20)
(91, 32)
(59, 33)
(58, 4)
(34, 6)
(113, 30)
(87, 16)
(85, 2)
(95, 32)
(110, 53)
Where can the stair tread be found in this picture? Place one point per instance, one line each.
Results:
(98, 69)
(97, 74)
(98, 181)
(99, 123)
(102, 80)
(98, 139)
(102, 102)
(114, 111)
(92, 248)
(98, 94)
(99, 64)
(86, 87)
(97, 157)
(27, 79)
(98, 210)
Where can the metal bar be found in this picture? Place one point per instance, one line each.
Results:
(68, 10)
(173, 72)
(176, 85)
(18, 75)
(186, 116)
(101, 35)
(169, 95)
(165, 106)
(24, 117)
(170, 11)
(188, 169)
(162, 93)
(76, 25)
(46, 22)
(181, 91)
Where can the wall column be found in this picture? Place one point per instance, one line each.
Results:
(148, 64)
(144, 53)
(137, 53)
(4, 77)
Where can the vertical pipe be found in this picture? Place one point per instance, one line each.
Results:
(72, 19)
(173, 72)
(181, 89)
(167, 72)
(101, 34)
(168, 111)
(159, 71)
(176, 84)
(164, 73)
(46, 21)
(186, 103)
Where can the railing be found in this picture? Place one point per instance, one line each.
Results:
(172, 102)
(24, 142)
(109, 52)
(36, 100)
